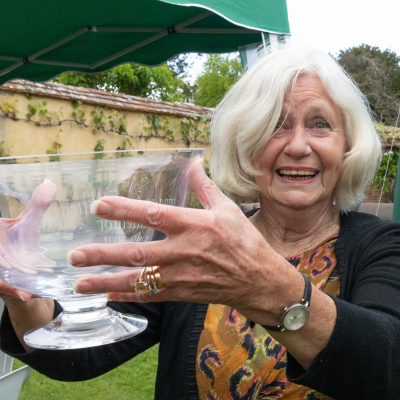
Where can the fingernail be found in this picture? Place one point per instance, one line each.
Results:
(199, 162)
(99, 207)
(76, 257)
(82, 287)
(112, 296)
(21, 295)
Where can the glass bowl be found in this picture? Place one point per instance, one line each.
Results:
(45, 212)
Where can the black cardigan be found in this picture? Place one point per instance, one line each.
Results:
(360, 361)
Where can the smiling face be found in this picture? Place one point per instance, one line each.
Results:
(301, 162)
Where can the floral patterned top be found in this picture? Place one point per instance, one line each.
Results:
(235, 361)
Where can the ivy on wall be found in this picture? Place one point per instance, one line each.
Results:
(101, 120)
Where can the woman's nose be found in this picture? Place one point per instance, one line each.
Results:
(298, 145)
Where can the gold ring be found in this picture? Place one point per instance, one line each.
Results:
(157, 277)
(149, 281)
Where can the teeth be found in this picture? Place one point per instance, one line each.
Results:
(297, 173)
(297, 178)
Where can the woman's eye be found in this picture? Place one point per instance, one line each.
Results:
(321, 125)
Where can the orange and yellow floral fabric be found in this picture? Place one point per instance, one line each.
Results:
(235, 361)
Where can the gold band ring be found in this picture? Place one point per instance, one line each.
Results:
(149, 281)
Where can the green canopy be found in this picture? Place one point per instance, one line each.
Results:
(41, 39)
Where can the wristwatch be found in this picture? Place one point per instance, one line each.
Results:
(295, 316)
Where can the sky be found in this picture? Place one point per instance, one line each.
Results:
(334, 25)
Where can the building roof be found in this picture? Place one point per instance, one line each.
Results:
(107, 99)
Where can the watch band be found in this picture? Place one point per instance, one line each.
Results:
(304, 301)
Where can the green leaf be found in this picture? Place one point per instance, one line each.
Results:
(75, 104)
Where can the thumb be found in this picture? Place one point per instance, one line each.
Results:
(27, 225)
(41, 200)
(205, 189)
(44, 194)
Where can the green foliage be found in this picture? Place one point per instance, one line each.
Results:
(220, 73)
(56, 148)
(99, 147)
(133, 380)
(189, 129)
(132, 79)
(75, 104)
(180, 66)
(4, 152)
(118, 122)
(9, 108)
(167, 127)
(99, 118)
(391, 174)
(122, 154)
(377, 74)
(39, 108)
(160, 127)
(207, 168)
(153, 121)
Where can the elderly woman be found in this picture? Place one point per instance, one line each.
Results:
(299, 299)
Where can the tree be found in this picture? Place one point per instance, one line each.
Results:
(133, 79)
(220, 73)
(180, 65)
(377, 74)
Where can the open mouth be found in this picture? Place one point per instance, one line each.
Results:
(297, 175)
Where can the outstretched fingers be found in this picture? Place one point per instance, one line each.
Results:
(124, 254)
(167, 219)
(119, 287)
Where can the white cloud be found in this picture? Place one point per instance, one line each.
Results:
(339, 24)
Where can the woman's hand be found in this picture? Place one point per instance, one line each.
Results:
(19, 251)
(214, 256)
(20, 237)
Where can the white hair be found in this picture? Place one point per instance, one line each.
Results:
(246, 119)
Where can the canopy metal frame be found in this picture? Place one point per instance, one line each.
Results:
(159, 33)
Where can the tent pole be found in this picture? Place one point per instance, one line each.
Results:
(164, 33)
(46, 50)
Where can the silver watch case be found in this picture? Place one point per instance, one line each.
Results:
(295, 317)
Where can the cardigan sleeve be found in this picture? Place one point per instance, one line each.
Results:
(362, 357)
(88, 363)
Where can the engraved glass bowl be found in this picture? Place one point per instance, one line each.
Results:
(54, 194)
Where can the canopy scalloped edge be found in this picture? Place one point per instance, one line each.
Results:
(225, 17)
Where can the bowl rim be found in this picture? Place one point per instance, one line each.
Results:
(183, 149)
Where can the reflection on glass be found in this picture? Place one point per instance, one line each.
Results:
(45, 212)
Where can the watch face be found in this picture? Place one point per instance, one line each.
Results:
(295, 317)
